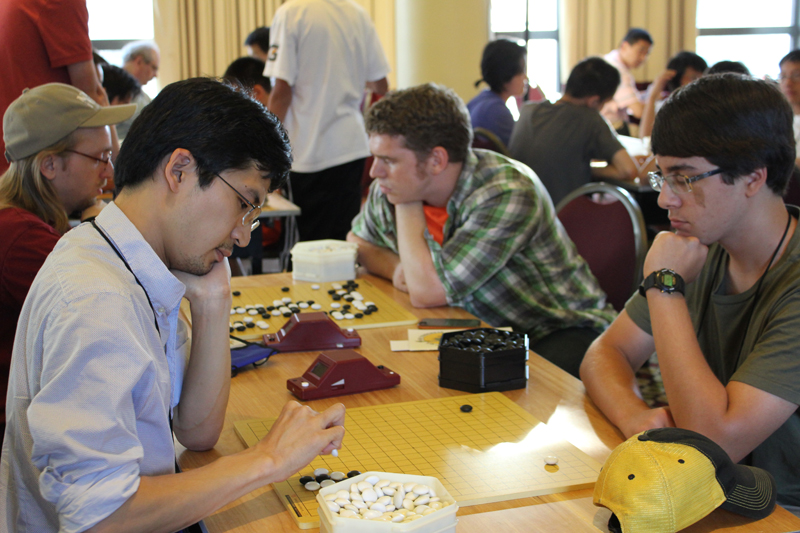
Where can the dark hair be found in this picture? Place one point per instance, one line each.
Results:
(680, 62)
(635, 35)
(118, 82)
(793, 56)
(98, 59)
(736, 67)
(736, 122)
(426, 116)
(221, 126)
(248, 72)
(502, 60)
(260, 37)
(593, 77)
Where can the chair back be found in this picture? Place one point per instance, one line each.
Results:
(483, 138)
(606, 225)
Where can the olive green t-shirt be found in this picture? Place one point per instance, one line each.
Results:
(764, 354)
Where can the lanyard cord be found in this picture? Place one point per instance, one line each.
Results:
(119, 254)
(756, 296)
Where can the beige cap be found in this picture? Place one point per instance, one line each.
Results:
(44, 115)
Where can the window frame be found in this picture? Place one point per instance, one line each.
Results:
(793, 31)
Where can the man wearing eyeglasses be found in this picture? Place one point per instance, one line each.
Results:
(57, 167)
(104, 375)
(720, 302)
(790, 87)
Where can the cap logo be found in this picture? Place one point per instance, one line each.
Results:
(83, 97)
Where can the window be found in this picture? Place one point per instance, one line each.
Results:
(115, 23)
(534, 22)
(738, 31)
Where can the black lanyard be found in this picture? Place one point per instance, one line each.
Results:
(119, 254)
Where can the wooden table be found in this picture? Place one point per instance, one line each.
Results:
(552, 396)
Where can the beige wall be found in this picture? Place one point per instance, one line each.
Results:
(441, 41)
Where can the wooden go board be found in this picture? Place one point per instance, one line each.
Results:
(493, 453)
(389, 313)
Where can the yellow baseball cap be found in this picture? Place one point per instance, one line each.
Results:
(663, 480)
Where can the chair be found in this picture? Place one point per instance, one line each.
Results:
(606, 225)
(483, 138)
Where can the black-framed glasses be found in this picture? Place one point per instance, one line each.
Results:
(251, 217)
(106, 161)
(679, 183)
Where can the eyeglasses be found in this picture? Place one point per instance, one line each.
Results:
(679, 183)
(105, 161)
(251, 217)
(794, 76)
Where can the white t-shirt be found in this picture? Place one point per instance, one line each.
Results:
(616, 109)
(327, 50)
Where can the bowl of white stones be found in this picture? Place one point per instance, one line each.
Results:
(380, 501)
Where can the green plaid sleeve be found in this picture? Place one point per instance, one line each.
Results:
(376, 222)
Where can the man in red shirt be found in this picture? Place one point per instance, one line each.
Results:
(57, 167)
(44, 42)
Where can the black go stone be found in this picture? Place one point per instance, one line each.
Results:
(359, 315)
(287, 315)
(251, 324)
(332, 291)
(241, 328)
(337, 297)
(322, 477)
(466, 408)
(285, 289)
(353, 473)
(237, 293)
(306, 479)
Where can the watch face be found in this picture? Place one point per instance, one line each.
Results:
(668, 279)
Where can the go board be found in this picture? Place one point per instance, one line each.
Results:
(493, 453)
(389, 312)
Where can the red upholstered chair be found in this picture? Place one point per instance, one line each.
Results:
(487, 140)
(606, 225)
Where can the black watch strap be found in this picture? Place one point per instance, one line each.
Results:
(665, 280)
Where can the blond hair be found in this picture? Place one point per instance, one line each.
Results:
(24, 186)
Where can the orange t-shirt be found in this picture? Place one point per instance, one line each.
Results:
(435, 218)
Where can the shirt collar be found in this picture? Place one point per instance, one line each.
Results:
(464, 183)
(163, 288)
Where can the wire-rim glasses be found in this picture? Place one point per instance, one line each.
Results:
(106, 161)
(679, 183)
(251, 217)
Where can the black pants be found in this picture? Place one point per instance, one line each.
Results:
(329, 200)
(566, 347)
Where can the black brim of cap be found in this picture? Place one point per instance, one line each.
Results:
(754, 493)
(613, 524)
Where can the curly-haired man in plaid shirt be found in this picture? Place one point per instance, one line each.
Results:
(471, 228)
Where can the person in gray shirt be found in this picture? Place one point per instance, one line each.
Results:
(558, 141)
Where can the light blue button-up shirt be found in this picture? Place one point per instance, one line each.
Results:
(92, 383)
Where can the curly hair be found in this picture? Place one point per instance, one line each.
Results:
(425, 116)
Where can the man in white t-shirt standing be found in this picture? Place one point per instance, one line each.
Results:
(323, 54)
(631, 53)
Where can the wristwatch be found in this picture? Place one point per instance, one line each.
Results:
(665, 280)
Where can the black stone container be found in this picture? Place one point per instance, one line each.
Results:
(483, 360)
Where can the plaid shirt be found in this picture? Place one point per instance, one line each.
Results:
(505, 258)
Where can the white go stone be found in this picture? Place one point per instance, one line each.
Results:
(349, 316)
(252, 312)
(395, 484)
(389, 491)
(419, 509)
(241, 310)
(315, 287)
(408, 504)
(302, 305)
(233, 311)
(385, 500)
(390, 507)
(398, 517)
(434, 498)
(275, 312)
(316, 306)
(342, 494)
(382, 483)
(261, 324)
(363, 485)
(277, 303)
(372, 480)
(327, 483)
(356, 497)
(408, 487)
(421, 489)
(359, 504)
(333, 507)
(551, 460)
(428, 511)
(347, 513)
(336, 286)
(341, 502)
(369, 495)
(422, 500)
(370, 514)
(337, 315)
(399, 496)
(351, 507)
(379, 492)
(320, 471)
(330, 497)
(286, 299)
(248, 320)
(378, 507)
(435, 505)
